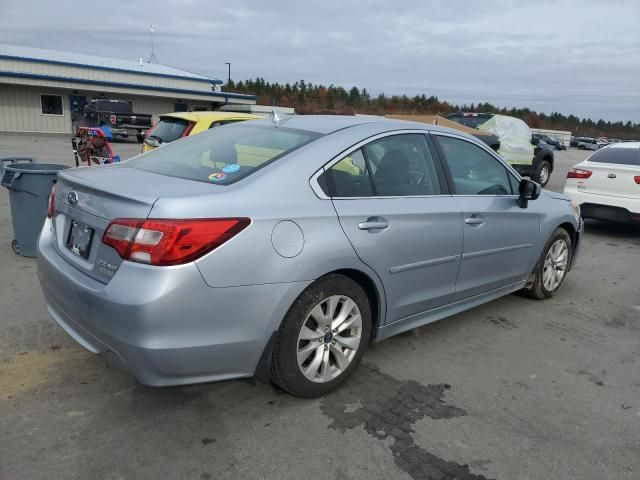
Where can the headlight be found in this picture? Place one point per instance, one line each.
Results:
(576, 208)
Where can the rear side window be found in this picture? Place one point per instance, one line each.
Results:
(402, 165)
(619, 156)
(474, 171)
(223, 155)
(350, 177)
(169, 129)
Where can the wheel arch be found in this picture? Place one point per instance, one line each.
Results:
(375, 293)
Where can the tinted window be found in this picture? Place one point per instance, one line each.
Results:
(218, 123)
(474, 171)
(169, 129)
(402, 165)
(116, 107)
(51, 104)
(222, 155)
(620, 156)
(350, 177)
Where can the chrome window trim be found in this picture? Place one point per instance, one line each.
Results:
(315, 185)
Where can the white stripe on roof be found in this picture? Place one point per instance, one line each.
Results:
(80, 59)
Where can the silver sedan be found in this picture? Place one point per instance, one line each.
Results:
(282, 248)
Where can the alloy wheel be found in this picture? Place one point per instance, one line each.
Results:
(329, 338)
(555, 265)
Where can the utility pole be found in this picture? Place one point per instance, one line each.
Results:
(228, 64)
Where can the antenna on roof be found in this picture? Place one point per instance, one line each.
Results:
(152, 58)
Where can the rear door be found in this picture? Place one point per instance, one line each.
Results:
(392, 203)
(499, 236)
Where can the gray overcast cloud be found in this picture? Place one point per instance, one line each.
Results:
(580, 57)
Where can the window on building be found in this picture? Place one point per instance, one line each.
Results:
(51, 104)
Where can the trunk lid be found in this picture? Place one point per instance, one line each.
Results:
(86, 201)
(610, 179)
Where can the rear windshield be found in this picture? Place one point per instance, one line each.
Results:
(472, 122)
(223, 155)
(169, 129)
(620, 156)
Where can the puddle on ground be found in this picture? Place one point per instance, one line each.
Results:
(388, 408)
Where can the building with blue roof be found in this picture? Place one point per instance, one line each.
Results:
(45, 90)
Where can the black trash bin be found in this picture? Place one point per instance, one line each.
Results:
(29, 186)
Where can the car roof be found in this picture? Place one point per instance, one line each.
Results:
(203, 116)
(327, 124)
(625, 145)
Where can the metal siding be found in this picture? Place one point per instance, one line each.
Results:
(11, 65)
(21, 110)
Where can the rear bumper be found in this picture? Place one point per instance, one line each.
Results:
(604, 207)
(164, 325)
(607, 212)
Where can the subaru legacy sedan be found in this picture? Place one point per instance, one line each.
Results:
(282, 248)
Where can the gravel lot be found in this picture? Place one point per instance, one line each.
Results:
(515, 389)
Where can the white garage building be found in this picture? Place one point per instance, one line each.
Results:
(42, 90)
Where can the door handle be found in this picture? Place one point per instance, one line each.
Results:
(373, 223)
(474, 220)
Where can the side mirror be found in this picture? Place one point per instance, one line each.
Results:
(535, 141)
(528, 190)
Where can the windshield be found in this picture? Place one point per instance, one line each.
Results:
(223, 155)
(472, 122)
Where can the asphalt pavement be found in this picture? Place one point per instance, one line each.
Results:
(514, 389)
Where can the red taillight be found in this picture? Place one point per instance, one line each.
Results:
(579, 173)
(51, 207)
(113, 119)
(637, 179)
(188, 129)
(169, 242)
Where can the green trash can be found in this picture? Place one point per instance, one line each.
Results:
(29, 185)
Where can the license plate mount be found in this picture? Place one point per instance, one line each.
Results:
(79, 239)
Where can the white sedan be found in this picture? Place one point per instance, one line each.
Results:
(607, 184)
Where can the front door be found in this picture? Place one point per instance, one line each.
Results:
(499, 236)
(389, 198)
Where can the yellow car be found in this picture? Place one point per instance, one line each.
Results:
(173, 126)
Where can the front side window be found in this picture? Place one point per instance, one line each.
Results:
(473, 170)
(222, 155)
(402, 165)
(51, 104)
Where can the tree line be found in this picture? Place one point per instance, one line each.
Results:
(308, 98)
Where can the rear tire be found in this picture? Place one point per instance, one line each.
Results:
(322, 337)
(552, 267)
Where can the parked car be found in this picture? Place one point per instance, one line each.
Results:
(282, 249)
(607, 184)
(555, 144)
(172, 126)
(543, 161)
(586, 143)
(117, 115)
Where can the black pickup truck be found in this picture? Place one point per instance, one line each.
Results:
(118, 116)
(543, 159)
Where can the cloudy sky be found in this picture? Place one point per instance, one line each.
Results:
(580, 57)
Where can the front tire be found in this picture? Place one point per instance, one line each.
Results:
(322, 337)
(544, 173)
(552, 268)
